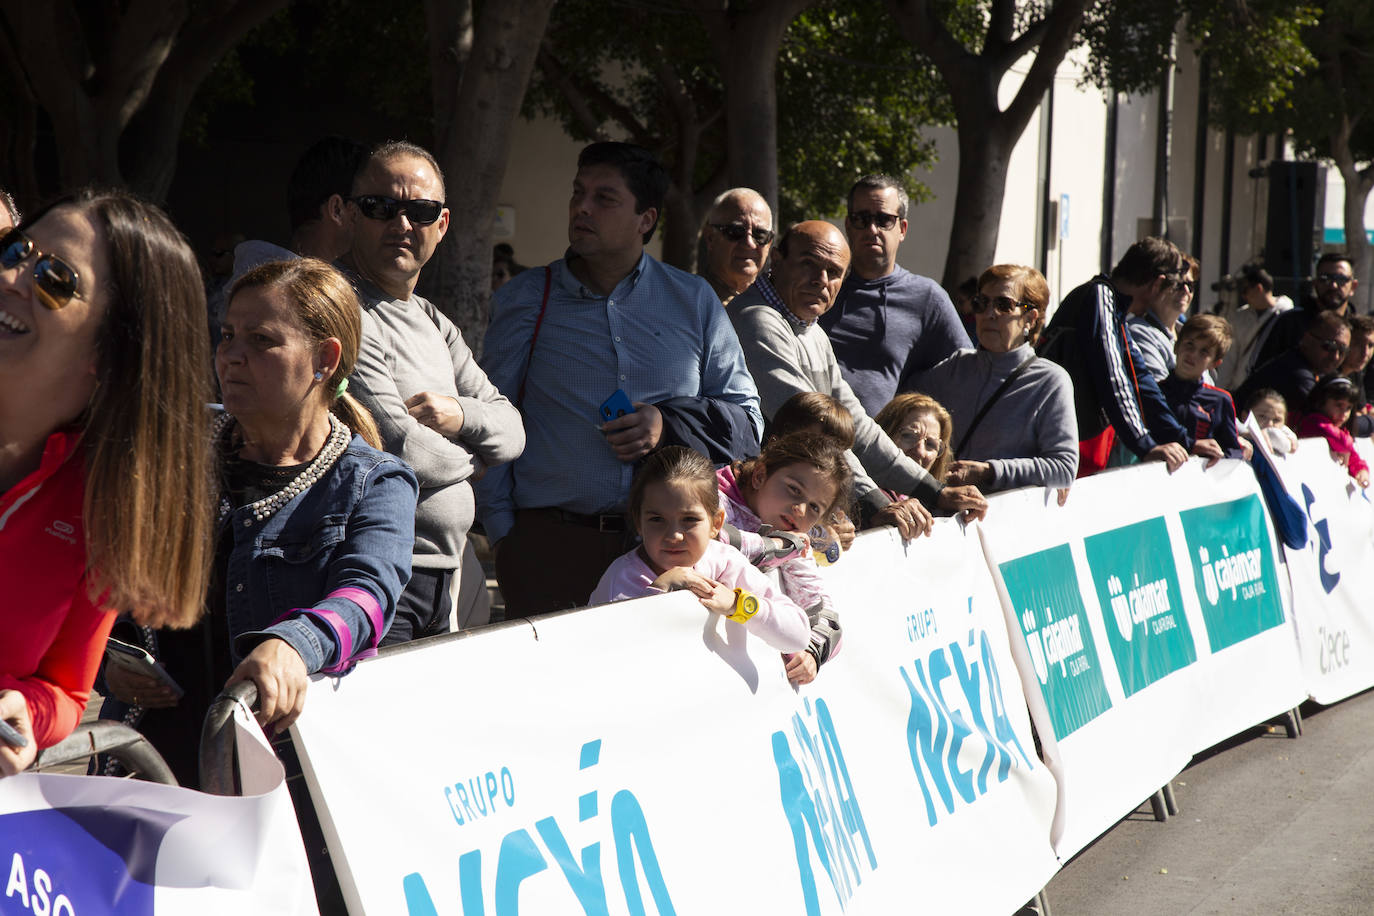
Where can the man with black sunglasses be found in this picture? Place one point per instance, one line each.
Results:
(1333, 287)
(433, 405)
(736, 236)
(888, 324)
(1318, 355)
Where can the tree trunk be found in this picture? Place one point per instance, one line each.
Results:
(747, 44)
(978, 197)
(987, 132)
(1358, 183)
(57, 82)
(683, 206)
(473, 153)
(130, 95)
(18, 130)
(147, 149)
(679, 224)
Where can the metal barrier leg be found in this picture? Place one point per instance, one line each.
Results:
(1292, 722)
(1161, 809)
(1039, 905)
(1169, 803)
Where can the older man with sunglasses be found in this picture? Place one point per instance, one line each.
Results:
(888, 323)
(433, 404)
(737, 236)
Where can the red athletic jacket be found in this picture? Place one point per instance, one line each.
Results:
(52, 634)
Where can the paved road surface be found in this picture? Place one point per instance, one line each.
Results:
(1265, 825)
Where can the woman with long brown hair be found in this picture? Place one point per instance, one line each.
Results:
(104, 480)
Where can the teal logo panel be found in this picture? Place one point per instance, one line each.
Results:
(1233, 570)
(1137, 587)
(1044, 593)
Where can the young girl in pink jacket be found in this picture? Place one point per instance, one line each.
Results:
(676, 510)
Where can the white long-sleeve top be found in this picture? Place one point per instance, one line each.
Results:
(779, 621)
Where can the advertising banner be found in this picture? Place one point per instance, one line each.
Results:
(650, 757)
(71, 845)
(1333, 576)
(1144, 605)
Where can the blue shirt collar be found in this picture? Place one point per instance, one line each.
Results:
(569, 283)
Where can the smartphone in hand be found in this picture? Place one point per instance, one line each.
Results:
(9, 735)
(617, 405)
(137, 660)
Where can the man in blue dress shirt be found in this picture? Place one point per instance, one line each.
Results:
(604, 318)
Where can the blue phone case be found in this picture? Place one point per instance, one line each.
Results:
(617, 405)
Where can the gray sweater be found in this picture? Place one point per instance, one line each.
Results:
(1030, 436)
(786, 357)
(408, 347)
(887, 330)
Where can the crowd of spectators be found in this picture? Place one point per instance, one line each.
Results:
(630, 428)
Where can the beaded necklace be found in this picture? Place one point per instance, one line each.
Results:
(334, 446)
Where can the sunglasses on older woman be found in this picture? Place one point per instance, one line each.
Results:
(907, 440)
(55, 281)
(1003, 305)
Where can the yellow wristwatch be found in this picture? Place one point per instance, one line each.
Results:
(746, 606)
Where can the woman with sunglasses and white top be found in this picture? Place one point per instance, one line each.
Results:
(105, 478)
(1014, 421)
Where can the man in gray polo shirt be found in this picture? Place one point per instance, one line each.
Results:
(788, 353)
(434, 406)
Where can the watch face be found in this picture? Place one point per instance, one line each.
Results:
(749, 605)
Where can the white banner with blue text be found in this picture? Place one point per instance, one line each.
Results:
(1333, 576)
(73, 845)
(650, 757)
(1146, 607)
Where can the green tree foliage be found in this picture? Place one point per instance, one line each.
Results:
(375, 51)
(852, 97)
(1329, 114)
(1254, 47)
(623, 71)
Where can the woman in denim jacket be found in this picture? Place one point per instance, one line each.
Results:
(316, 524)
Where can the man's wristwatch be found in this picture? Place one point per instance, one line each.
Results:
(746, 606)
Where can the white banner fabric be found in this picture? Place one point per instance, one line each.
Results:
(72, 845)
(1333, 576)
(648, 757)
(1145, 606)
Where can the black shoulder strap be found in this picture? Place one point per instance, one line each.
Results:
(987, 405)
